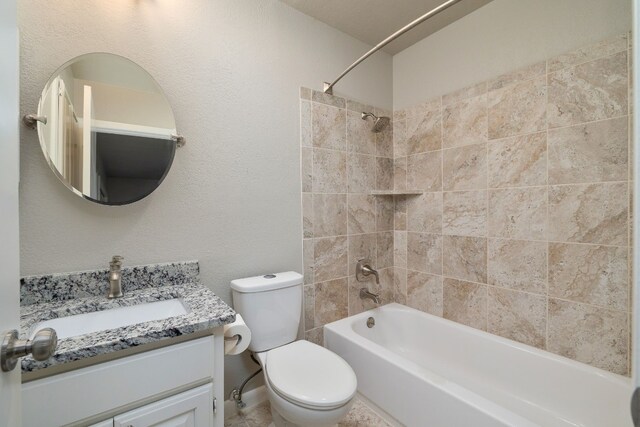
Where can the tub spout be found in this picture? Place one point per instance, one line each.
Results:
(365, 294)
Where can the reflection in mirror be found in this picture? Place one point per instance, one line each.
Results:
(108, 131)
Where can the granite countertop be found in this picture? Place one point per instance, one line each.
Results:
(54, 296)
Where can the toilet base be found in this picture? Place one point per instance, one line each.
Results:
(280, 421)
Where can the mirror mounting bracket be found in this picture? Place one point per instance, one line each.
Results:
(31, 120)
(179, 139)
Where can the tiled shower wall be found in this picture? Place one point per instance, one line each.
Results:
(343, 161)
(523, 225)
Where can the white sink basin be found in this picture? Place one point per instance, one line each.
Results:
(86, 323)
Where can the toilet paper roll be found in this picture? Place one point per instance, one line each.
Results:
(237, 336)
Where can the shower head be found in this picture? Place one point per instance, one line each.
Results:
(379, 123)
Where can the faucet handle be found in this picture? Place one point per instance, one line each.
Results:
(364, 269)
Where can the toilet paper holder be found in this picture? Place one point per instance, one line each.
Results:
(234, 337)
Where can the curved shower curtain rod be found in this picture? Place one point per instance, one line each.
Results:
(328, 87)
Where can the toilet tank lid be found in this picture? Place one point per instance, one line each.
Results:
(267, 282)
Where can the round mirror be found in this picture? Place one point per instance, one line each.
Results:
(106, 129)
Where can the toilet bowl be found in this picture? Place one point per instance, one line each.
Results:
(307, 385)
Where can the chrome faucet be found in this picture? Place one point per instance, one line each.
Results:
(364, 293)
(364, 269)
(115, 277)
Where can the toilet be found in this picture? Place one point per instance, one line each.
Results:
(307, 384)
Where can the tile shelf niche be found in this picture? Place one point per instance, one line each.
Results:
(396, 193)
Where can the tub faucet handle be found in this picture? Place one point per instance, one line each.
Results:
(364, 269)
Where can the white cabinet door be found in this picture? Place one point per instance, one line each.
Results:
(9, 176)
(193, 408)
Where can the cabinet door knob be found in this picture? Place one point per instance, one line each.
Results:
(41, 347)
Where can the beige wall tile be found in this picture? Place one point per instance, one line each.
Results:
(465, 213)
(329, 126)
(399, 221)
(330, 258)
(589, 53)
(424, 213)
(358, 107)
(465, 93)
(384, 173)
(590, 274)
(325, 98)
(518, 264)
(307, 169)
(384, 213)
(309, 307)
(399, 138)
(424, 292)
(595, 213)
(384, 142)
(384, 252)
(361, 246)
(517, 109)
(361, 217)
(400, 173)
(306, 136)
(465, 258)
(307, 215)
(361, 173)
(315, 336)
(329, 215)
(308, 261)
(465, 303)
(356, 304)
(518, 213)
(423, 132)
(519, 161)
(424, 171)
(400, 285)
(331, 301)
(465, 122)
(329, 171)
(400, 249)
(526, 73)
(592, 152)
(386, 287)
(589, 334)
(424, 252)
(518, 316)
(465, 168)
(592, 91)
(360, 138)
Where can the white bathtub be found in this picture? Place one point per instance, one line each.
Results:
(427, 371)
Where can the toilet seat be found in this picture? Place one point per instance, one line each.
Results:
(310, 376)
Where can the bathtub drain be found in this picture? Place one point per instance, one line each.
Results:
(371, 322)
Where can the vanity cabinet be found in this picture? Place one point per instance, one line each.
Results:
(188, 409)
(171, 386)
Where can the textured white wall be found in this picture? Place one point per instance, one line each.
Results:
(231, 70)
(500, 37)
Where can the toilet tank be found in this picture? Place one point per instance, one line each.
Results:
(271, 306)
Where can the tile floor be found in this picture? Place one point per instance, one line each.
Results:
(260, 416)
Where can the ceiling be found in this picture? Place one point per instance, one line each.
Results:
(371, 21)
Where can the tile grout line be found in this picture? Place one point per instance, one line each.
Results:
(548, 245)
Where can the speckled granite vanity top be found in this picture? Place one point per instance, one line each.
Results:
(60, 295)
